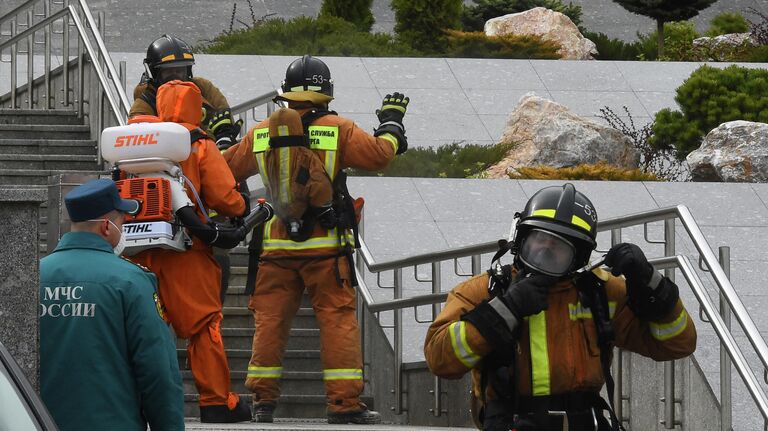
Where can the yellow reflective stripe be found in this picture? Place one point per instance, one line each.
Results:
(187, 55)
(578, 221)
(264, 372)
(332, 240)
(262, 169)
(537, 327)
(260, 139)
(343, 374)
(167, 58)
(284, 188)
(330, 164)
(578, 311)
(665, 331)
(460, 346)
(324, 138)
(392, 139)
(544, 213)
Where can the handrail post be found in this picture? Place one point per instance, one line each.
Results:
(47, 103)
(476, 264)
(14, 66)
(669, 366)
(65, 56)
(30, 61)
(437, 288)
(398, 323)
(618, 365)
(726, 412)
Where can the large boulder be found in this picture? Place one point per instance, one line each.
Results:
(736, 151)
(546, 133)
(550, 25)
(731, 40)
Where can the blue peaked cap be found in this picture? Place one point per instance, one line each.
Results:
(96, 198)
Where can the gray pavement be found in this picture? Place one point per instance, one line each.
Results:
(133, 24)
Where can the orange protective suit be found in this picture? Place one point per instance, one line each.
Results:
(189, 281)
(287, 267)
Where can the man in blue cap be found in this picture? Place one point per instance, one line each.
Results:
(107, 358)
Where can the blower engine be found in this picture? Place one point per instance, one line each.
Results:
(148, 152)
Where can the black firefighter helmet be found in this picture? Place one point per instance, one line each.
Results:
(165, 52)
(556, 232)
(307, 79)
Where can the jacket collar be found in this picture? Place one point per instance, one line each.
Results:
(80, 240)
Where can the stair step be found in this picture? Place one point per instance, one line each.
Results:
(48, 161)
(292, 382)
(289, 406)
(44, 131)
(37, 177)
(48, 146)
(238, 359)
(39, 116)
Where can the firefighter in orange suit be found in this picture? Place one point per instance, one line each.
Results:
(189, 281)
(320, 263)
(538, 335)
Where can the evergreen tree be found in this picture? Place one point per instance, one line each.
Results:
(422, 23)
(357, 12)
(664, 11)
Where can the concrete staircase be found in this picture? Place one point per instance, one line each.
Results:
(37, 143)
(303, 392)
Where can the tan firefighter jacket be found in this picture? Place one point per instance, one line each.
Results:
(558, 349)
(340, 144)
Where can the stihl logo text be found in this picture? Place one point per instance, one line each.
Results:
(129, 140)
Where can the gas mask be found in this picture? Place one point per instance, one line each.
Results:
(547, 253)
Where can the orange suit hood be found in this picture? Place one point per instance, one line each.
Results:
(180, 102)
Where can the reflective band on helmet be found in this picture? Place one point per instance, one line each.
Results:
(578, 311)
(665, 331)
(168, 58)
(255, 372)
(343, 374)
(537, 326)
(544, 213)
(460, 346)
(578, 221)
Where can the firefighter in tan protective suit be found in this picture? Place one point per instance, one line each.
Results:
(538, 335)
(189, 281)
(319, 260)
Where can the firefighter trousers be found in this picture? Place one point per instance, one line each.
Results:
(280, 284)
(189, 289)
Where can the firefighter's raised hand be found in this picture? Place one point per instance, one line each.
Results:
(391, 115)
(224, 129)
(528, 296)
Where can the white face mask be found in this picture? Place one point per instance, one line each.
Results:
(118, 249)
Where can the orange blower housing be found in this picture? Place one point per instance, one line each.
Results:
(154, 195)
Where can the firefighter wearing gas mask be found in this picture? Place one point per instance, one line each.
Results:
(538, 335)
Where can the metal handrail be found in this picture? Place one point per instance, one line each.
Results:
(668, 215)
(15, 11)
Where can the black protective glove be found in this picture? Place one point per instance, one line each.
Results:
(528, 296)
(651, 296)
(391, 115)
(224, 129)
(498, 319)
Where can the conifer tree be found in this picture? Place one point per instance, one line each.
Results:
(665, 11)
(422, 23)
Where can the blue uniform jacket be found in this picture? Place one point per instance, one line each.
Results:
(107, 358)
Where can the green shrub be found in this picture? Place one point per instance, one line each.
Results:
(478, 45)
(726, 23)
(599, 171)
(325, 35)
(421, 23)
(357, 12)
(708, 98)
(678, 42)
(616, 49)
(474, 17)
(455, 160)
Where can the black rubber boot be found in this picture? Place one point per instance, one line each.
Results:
(263, 412)
(221, 414)
(363, 417)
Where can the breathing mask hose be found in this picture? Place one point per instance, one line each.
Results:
(223, 237)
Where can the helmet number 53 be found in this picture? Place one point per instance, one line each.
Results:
(317, 79)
